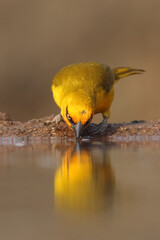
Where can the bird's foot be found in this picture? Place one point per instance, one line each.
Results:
(100, 128)
(57, 119)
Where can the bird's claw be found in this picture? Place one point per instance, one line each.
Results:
(57, 119)
(94, 129)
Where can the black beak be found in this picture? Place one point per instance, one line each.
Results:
(78, 129)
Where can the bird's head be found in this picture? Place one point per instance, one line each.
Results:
(77, 116)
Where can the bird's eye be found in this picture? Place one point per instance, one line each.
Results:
(68, 116)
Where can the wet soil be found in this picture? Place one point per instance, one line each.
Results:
(44, 127)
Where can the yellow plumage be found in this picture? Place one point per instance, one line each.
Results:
(84, 89)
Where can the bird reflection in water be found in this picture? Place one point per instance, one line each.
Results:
(85, 182)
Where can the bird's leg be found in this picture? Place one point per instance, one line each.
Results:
(57, 119)
(101, 126)
(105, 119)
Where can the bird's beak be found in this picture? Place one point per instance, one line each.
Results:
(78, 129)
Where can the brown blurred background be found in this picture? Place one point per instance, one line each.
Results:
(39, 37)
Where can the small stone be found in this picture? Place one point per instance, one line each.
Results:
(4, 117)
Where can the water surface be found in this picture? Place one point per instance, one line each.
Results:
(62, 189)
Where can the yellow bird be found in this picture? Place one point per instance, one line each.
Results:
(84, 89)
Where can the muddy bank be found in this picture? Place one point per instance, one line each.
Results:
(44, 127)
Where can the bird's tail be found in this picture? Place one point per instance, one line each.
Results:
(125, 72)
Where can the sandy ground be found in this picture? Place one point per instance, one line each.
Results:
(44, 127)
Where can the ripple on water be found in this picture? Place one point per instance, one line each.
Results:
(31, 140)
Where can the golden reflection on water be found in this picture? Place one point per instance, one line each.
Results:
(85, 181)
(101, 190)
